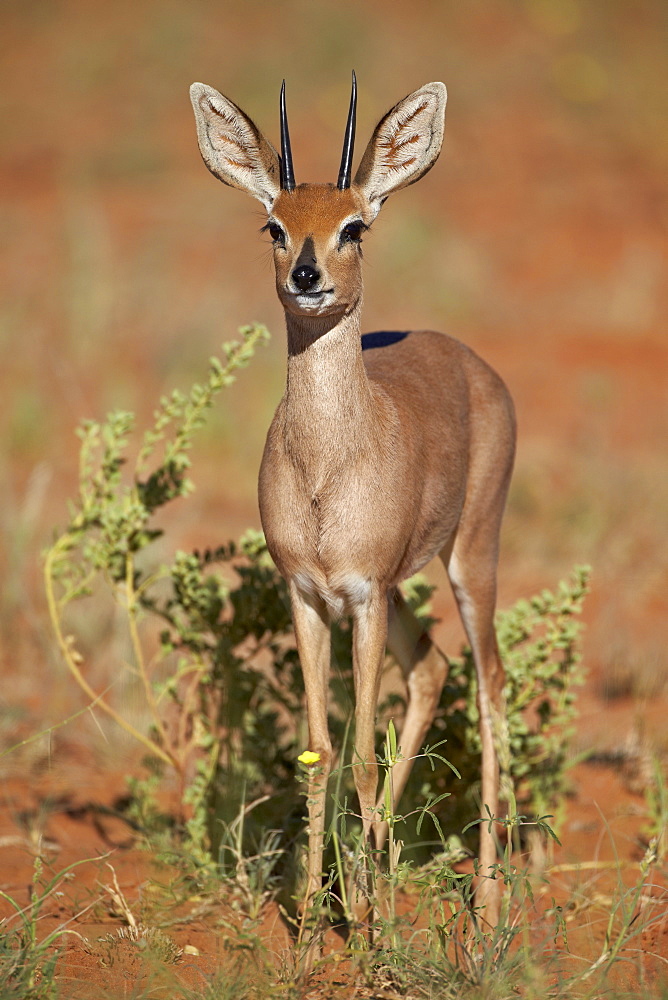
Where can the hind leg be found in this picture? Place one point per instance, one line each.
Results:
(472, 572)
(425, 668)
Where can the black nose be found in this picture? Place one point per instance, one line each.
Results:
(305, 277)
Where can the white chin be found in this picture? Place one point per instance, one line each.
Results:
(313, 305)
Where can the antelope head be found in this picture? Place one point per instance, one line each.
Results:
(316, 229)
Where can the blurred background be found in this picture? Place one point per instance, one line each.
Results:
(539, 238)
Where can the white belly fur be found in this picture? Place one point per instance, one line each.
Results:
(343, 594)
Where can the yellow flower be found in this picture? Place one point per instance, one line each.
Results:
(308, 757)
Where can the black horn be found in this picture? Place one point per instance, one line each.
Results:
(287, 173)
(348, 141)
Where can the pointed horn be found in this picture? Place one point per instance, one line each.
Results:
(287, 173)
(348, 141)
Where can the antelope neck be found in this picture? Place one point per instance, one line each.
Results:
(328, 398)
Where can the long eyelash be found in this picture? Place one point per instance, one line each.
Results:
(280, 241)
(363, 228)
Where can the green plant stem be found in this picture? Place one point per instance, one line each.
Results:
(140, 662)
(342, 882)
(391, 752)
(70, 661)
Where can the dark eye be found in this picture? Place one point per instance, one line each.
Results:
(276, 233)
(352, 232)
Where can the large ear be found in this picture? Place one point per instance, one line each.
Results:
(232, 147)
(404, 145)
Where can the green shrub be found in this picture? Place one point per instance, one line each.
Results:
(539, 644)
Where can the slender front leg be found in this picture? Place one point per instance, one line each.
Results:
(369, 641)
(312, 631)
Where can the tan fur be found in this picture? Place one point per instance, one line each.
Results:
(376, 462)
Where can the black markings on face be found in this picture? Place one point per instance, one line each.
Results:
(307, 253)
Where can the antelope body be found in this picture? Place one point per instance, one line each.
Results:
(385, 450)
